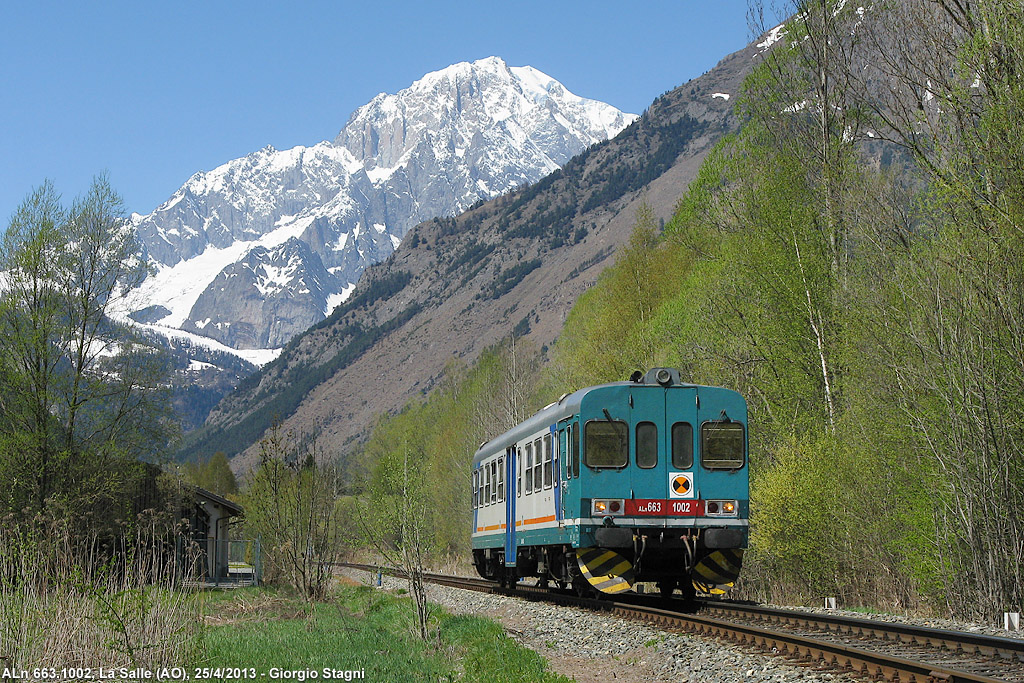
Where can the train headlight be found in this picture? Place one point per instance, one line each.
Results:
(607, 506)
(720, 508)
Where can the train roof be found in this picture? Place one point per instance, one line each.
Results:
(567, 406)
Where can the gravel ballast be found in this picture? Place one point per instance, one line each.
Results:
(593, 647)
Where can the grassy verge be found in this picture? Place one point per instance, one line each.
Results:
(361, 628)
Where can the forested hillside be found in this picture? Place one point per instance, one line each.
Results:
(851, 260)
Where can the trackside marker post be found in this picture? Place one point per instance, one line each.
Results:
(1011, 621)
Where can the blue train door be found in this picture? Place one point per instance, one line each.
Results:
(511, 491)
(563, 476)
(682, 425)
(656, 412)
(647, 442)
(556, 475)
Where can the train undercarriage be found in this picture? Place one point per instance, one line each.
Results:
(672, 560)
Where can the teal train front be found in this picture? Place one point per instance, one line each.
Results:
(645, 480)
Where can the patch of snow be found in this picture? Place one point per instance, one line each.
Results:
(378, 175)
(335, 300)
(257, 357)
(380, 227)
(342, 241)
(198, 365)
(275, 278)
(104, 349)
(178, 287)
(773, 37)
(720, 95)
(395, 241)
(172, 202)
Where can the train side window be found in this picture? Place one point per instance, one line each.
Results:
(501, 479)
(529, 468)
(519, 474)
(646, 445)
(549, 454)
(487, 486)
(574, 447)
(563, 454)
(568, 451)
(494, 481)
(682, 445)
(538, 468)
(476, 489)
(721, 445)
(606, 443)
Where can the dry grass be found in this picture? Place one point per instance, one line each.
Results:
(65, 603)
(254, 606)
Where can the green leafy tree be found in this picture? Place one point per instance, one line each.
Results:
(81, 399)
(214, 475)
(291, 504)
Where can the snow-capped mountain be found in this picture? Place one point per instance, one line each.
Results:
(260, 248)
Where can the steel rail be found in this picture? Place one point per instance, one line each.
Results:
(991, 646)
(806, 649)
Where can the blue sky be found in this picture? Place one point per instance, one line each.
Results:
(152, 92)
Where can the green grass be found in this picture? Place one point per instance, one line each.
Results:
(361, 628)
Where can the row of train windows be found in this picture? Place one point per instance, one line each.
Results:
(535, 473)
(606, 445)
(489, 483)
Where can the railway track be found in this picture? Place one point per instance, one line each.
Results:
(874, 649)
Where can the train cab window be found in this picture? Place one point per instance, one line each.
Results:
(721, 445)
(606, 443)
(501, 479)
(682, 445)
(476, 489)
(549, 454)
(646, 445)
(574, 448)
(538, 467)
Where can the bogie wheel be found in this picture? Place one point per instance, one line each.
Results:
(688, 590)
(667, 587)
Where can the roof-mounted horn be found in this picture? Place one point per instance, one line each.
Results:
(666, 377)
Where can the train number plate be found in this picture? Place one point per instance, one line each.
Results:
(645, 507)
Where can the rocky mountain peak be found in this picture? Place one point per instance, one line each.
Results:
(471, 131)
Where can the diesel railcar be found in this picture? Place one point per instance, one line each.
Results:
(637, 481)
